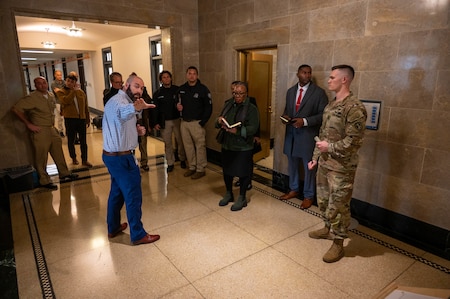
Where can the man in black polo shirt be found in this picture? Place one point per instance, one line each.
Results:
(195, 106)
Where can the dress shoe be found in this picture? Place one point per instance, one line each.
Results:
(69, 177)
(77, 141)
(238, 183)
(183, 164)
(147, 239)
(61, 134)
(170, 168)
(50, 186)
(291, 194)
(198, 174)
(306, 204)
(145, 168)
(75, 161)
(249, 186)
(86, 163)
(122, 227)
(189, 172)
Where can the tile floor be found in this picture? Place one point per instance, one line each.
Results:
(205, 251)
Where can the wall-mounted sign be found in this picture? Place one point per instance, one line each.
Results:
(373, 113)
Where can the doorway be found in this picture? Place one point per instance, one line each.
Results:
(257, 69)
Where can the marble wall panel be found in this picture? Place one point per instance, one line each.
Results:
(220, 40)
(366, 186)
(339, 22)
(263, 38)
(392, 159)
(436, 169)
(374, 54)
(281, 21)
(394, 16)
(300, 28)
(428, 50)
(419, 128)
(319, 55)
(408, 89)
(441, 100)
(308, 5)
(418, 201)
(208, 42)
(214, 20)
(213, 62)
(268, 9)
(205, 6)
(240, 14)
(189, 7)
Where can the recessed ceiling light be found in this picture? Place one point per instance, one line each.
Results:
(25, 58)
(37, 51)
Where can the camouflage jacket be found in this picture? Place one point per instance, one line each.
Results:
(343, 128)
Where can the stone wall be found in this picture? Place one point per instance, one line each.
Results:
(400, 51)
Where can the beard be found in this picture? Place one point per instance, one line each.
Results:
(133, 96)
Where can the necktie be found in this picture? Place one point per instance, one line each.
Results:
(299, 100)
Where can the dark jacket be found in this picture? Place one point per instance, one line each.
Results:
(196, 101)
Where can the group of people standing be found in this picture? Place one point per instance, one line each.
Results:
(324, 136)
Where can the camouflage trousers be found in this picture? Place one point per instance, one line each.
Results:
(334, 193)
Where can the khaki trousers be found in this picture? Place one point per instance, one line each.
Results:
(172, 126)
(194, 141)
(45, 142)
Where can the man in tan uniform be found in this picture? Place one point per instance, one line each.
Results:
(36, 111)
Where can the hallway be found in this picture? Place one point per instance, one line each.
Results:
(205, 251)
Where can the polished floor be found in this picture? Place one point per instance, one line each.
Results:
(205, 251)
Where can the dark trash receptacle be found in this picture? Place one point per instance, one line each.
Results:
(18, 179)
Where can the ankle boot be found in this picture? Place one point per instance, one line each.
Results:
(239, 204)
(226, 199)
(336, 251)
(323, 233)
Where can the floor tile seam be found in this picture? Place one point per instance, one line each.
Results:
(367, 236)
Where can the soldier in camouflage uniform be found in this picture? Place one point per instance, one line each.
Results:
(336, 153)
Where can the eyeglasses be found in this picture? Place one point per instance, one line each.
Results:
(239, 94)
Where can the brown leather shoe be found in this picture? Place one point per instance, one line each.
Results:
(291, 194)
(147, 239)
(122, 227)
(306, 204)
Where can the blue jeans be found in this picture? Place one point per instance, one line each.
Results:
(125, 188)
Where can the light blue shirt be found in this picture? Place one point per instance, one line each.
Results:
(119, 124)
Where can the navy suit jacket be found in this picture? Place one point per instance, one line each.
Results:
(299, 142)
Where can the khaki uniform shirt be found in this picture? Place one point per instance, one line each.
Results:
(39, 109)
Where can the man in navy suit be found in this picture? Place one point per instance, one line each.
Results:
(305, 102)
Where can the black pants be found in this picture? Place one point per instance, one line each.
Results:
(76, 126)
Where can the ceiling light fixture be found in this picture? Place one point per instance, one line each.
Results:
(36, 51)
(74, 30)
(48, 44)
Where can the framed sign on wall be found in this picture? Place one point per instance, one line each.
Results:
(373, 113)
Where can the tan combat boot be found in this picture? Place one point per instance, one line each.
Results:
(323, 233)
(336, 251)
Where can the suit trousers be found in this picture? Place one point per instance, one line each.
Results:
(309, 181)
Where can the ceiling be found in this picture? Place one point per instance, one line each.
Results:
(33, 31)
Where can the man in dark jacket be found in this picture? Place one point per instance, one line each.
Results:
(195, 106)
(305, 103)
